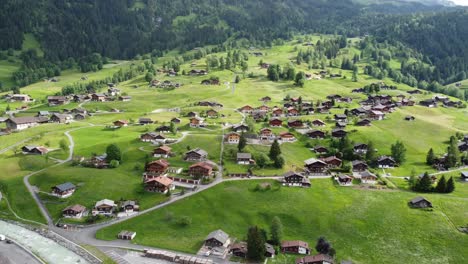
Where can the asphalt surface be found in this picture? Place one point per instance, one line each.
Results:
(13, 254)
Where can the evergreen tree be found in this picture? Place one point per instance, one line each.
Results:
(441, 185)
(113, 153)
(275, 150)
(450, 185)
(173, 128)
(398, 152)
(237, 79)
(276, 231)
(255, 244)
(430, 157)
(425, 183)
(371, 154)
(323, 246)
(278, 162)
(242, 143)
(453, 154)
(300, 79)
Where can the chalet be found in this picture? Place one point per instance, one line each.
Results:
(320, 149)
(209, 103)
(192, 114)
(145, 121)
(79, 117)
(339, 133)
(104, 207)
(385, 162)
(464, 176)
(463, 146)
(376, 115)
(341, 118)
(410, 118)
(163, 129)
(162, 152)
(316, 134)
(74, 211)
(20, 98)
(293, 111)
(161, 184)
(64, 190)
(198, 72)
(247, 109)
(287, 137)
(233, 138)
(152, 136)
(340, 124)
(344, 100)
(275, 122)
(295, 179)
(315, 166)
(79, 98)
(363, 122)
(126, 235)
(60, 118)
(265, 99)
(327, 104)
(157, 167)
(201, 169)
(359, 165)
(43, 114)
(333, 96)
(266, 134)
(368, 177)
(259, 115)
(239, 249)
(240, 128)
(420, 202)
(34, 150)
(381, 108)
(344, 180)
(20, 123)
(360, 148)
(129, 206)
(196, 155)
(318, 122)
(217, 238)
(121, 123)
(57, 100)
(335, 75)
(277, 112)
(332, 161)
(316, 259)
(98, 161)
(359, 111)
(176, 120)
(212, 113)
(295, 124)
(196, 122)
(295, 247)
(98, 97)
(125, 98)
(407, 102)
(428, 103)
(245, 159)
(263, 108)
(358, 90)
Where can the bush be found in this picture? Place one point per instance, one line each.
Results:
(114, 164)
(184, 221)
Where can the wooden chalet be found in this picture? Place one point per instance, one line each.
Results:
(217, 238)
(162, 152)
(244, 159)
(287, 137)
(386, 162)
(98, 97)
(232, 138)
(125, 98)
(332, 161)
(240, 128)
(368, 177)
(121, 123)
(295, 124)
(315, 166)
(196, 155)
(318, 123)
(420, 202)
(359, 165)
(129, 206)
(160, 184)
(212, 113)
(104, 207)
(74, 211)
(196, 122)
(344, 180)
(57, 100)
(275, 122)
(376, 115)
(339, 133)
(341, 118)
(360, 148)
(34, 150)
(163, 129)
(364, 122)
(145, 121)
(201, 170)
(295, 179)
(316, 259)
(295, 247)
(64, 190)
(157, 167)
(277, 112)
(320, 150)
(266, 134)
(316, 134)
(246, 109)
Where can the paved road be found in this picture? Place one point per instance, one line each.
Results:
(13, 254)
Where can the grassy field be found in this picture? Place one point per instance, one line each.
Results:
(365, 226)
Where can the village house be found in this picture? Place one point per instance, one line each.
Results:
(464, 176)
(198, 72)
(232, 138)
(360, 148)
(368, 177)
(287, 137)
(152, 136)
(34, 150)
(176, 120)
(79, 117)
(192, 114)
(113, 91)
(162, 152)
(385, 162)
(420, 202)
(60, 118)
(315, 166)
(247, 109)
(316, 259)
(196, 155)
(266, 134)
(217, 238)
(98, 161)
(295, 247)
(201, 170)
(63, 190)
(376, 115)
(163, 129)
(265, 99)
(316, 134)
(125, 98)
(463, 146)
(241, 128)
(145, 121)
(338, 133)
(344, 180)
(20, 98)
(341, 118)
(209, 103)
(129, 206)
(320, 150)
(428, 103)
(295, 124)
(244, 159)
(263, 108)
(157, 167)
(277, 112)
(21, 123)
(197, 122)
(104, 207)
(340, 124)
(74, 211)
(57, 100)
(359, 165)
(358, 111)
(295, 179)
(121, 123)
(293, 111)
(275, 122)
(318, 123)
(212, 113)
(98, 97)
(363, 122)
(45, 114)
(240, 250)
(160, 184)
(259, 115)
(126, 235)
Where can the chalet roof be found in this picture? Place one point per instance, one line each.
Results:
(161, 162)
(418, 199)
(23, 120)
(219, 235)
(163, 180)
(294, 243)
(320, 258)
(341, 116)
(165, 148)
(318, 121)
(65, 186)
(75, 208)
(291, 173)
(244, 156)
(202, 164)
(367, 174)
(54, 97)
(199, 151)
(357, 162)
(105, 202)
(382, 158)
(314, 160)
(128, 202)
(328, 159)
(360, 145)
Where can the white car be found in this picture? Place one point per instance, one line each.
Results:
(208, 253)
(2, 237)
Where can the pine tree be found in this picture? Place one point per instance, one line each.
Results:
(242, 143)
(255, 244)
(398, 152)
(276, 231)
(430, 157)
(323, 246)
(425, 183)
(441, 185)
(450, 185)
(371, 155)
(113, 153)
(275, 150)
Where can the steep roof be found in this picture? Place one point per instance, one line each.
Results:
(219, 235)
(65, 186)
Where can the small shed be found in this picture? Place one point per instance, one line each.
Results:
(420, 202)
(126, 235)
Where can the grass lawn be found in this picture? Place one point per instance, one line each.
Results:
(365, 226)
